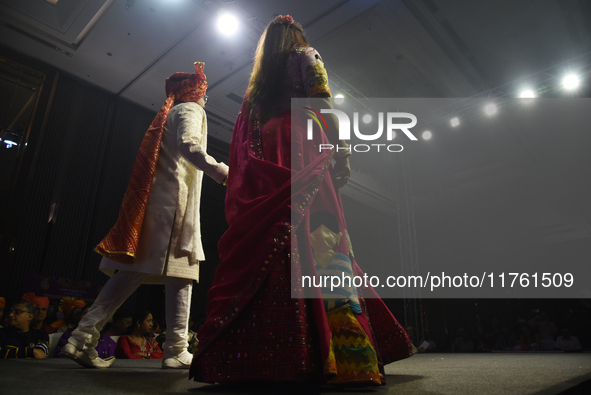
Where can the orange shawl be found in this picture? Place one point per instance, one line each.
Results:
(121, 242)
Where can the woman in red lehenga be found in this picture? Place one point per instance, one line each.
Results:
(255, 330)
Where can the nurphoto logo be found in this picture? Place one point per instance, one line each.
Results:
(345, 129)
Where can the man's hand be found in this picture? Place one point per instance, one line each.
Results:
(341, 172)
(39, 354)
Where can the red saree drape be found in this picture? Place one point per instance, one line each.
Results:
(254, 329)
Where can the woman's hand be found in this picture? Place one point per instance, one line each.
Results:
(341, 172)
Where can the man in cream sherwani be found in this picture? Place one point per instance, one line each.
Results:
(169, 247)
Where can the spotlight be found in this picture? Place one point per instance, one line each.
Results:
(455, 122)
(339, 99)
(227, 24)
(490, 109)
(427, 135)
(527, 94)
(367, 118)
(571, 82)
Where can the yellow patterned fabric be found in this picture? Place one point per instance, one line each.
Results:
(321, 85)
(352, 357)
(121, 242)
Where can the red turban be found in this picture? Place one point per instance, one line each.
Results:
(36, 300)
(187, 86)
(42, 301)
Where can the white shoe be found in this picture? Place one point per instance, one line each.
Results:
(87, 358)
(181, 361)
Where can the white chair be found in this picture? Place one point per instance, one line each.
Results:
(54, 338)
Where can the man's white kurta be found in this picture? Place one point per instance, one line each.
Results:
(170, 240)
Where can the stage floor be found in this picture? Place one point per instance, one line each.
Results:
(496, 373)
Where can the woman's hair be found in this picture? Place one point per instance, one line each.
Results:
(268, 72)
(138, 318)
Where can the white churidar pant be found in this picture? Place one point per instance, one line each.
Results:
(116, 291)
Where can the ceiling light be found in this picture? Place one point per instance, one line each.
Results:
(490, 109)
(367, 118)
(527, 94)
(339, 98)
(455, 122)
(571, 82)
(427, 135)
(227, 24)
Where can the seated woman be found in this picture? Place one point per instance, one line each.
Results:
(139, 344)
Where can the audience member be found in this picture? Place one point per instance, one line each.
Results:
(506, 340)
(2, 304)
(106, 345)
(41, 304)
(156, 329)
(66, 335)
(463, 341)
(71, 308)
(529, 341)
(582, 327)
(122, 321)
(18, 340)
(490, 332)
(139, 344)
(53, 314)
(567, 342)
(545, 329)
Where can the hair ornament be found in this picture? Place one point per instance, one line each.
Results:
(283, 19)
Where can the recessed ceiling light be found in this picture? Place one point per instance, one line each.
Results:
(571, 82)
(527, 94)
(227, 24)
(490, 109)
